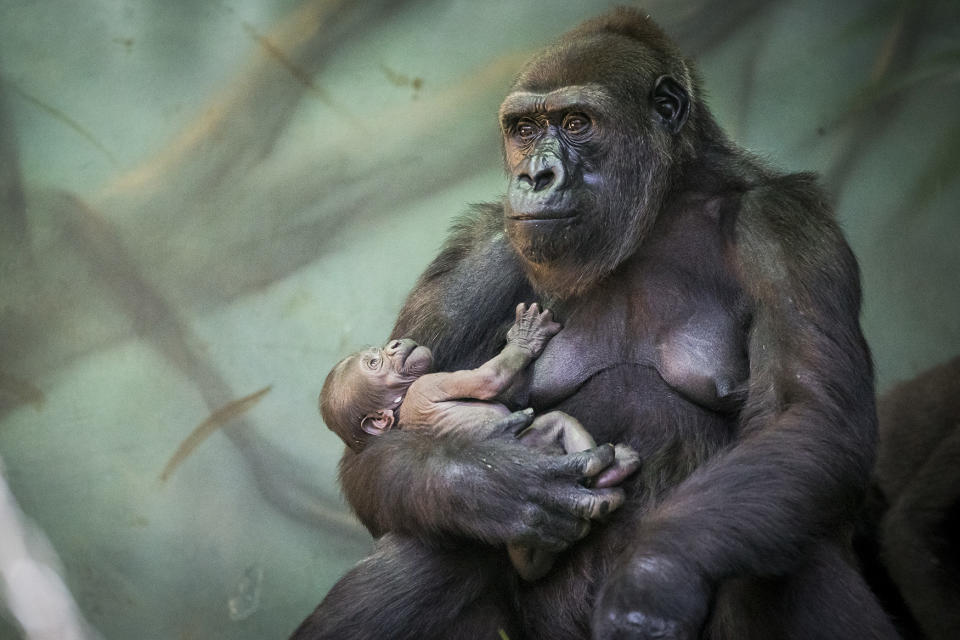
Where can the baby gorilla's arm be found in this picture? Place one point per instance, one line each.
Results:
(525, 341)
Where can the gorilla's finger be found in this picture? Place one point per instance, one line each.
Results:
(513, 424)
(597, 503)
(584, 464)
(558, 533)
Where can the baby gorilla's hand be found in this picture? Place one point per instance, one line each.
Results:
(532, 329)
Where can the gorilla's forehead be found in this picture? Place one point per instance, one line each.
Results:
(585, 97)
(611, 60)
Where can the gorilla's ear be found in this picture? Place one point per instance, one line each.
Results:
(671, 102)
(377, 423)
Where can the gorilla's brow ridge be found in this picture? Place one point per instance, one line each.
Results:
(577, 97)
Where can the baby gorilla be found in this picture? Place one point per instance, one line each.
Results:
(378, 389)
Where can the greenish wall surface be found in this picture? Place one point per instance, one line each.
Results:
(203, 199)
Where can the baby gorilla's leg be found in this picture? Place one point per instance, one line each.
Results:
(530, 562)
(557, 429)
(557, 432)
(548, 433)
(560, 433)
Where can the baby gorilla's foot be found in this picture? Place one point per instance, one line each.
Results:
(625, 463)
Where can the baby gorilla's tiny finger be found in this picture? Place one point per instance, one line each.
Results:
(521, 309)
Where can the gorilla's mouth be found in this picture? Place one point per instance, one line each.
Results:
(542, 216)
(526, 207)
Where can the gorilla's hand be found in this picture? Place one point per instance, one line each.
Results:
(652, 596)
(511, 493)
(494, 489)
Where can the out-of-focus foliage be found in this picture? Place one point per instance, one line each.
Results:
(199, 200)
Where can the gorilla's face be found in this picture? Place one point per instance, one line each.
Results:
(552, 144)
(588, 152)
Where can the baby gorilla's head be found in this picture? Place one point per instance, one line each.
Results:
(363, 391)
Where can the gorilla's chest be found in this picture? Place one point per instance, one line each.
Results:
(683, 324)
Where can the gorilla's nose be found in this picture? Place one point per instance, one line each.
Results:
(543, 179)
(393, 346)
(542, 172)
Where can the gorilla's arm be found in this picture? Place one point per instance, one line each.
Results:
(807, 429)
(493, 489)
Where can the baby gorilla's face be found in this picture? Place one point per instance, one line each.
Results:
(395, 366)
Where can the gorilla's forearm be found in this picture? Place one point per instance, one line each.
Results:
(754, 509)
(495, 490)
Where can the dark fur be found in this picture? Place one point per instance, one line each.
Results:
(908, 540)
(755, 456)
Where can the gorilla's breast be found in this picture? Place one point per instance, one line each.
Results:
(653, 318)
(704, 359)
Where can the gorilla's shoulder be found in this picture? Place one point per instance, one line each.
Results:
(457, 305)
(787, 224)
(481, 224)
(475, 237)
(786, 198)
(791, 207)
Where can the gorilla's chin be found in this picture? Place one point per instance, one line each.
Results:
(543, 240)
(562, 256)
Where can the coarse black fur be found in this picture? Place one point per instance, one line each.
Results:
(711, 321)
(401, 576)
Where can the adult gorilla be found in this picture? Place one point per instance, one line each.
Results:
(710, 309)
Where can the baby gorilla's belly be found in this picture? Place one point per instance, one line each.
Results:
(462, 416)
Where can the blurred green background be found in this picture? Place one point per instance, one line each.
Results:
(199, 200)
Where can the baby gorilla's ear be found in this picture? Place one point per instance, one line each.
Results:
(377, 423)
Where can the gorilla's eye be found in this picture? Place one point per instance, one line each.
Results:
(576, 123)
(526, 129)
(373, 362)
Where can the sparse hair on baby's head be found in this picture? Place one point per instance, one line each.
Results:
(346, 398)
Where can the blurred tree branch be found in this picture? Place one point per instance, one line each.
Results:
(13, 205)
(895, 57)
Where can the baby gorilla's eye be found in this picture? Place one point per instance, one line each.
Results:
(374, 362)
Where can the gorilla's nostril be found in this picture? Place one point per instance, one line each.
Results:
(543, 179)
(392, 347)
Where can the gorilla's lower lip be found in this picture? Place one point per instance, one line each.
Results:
(541, 216)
